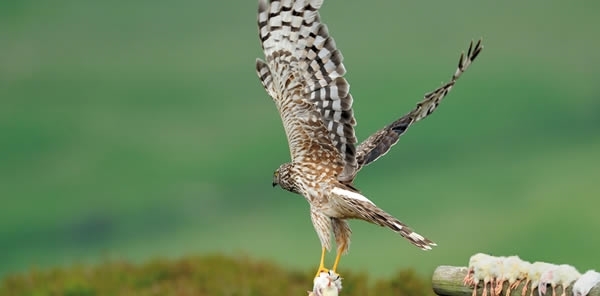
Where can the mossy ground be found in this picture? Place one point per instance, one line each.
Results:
(200, 275)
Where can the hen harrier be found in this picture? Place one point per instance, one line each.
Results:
(304, 76)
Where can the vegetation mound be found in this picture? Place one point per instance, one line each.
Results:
(200, 275)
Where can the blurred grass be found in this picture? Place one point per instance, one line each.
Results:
(139, 129)
(206, 275)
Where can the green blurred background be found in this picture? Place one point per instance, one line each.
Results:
(138, 129)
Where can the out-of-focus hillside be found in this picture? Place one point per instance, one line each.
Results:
(198, 276)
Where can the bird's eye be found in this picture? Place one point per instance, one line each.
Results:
(275, 173)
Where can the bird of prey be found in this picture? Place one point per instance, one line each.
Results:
(304, 75)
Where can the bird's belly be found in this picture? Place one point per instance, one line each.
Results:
(330, 211)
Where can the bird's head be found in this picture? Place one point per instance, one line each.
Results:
(283, 177)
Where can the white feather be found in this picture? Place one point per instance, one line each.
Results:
(350, 194)
(327, 284)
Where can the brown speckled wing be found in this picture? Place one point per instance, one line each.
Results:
(382, 141)
(304, 66)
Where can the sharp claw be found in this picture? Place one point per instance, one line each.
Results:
(321, 270)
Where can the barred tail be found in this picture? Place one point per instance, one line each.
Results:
(406, 232)
(355, 205)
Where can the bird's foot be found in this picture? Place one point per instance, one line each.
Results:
(498, 288)
(515, 284)
(321, 269)
(468, 280)
(524, 291)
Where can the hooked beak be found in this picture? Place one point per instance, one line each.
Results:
(274, 184)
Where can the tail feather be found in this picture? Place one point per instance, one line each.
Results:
(406, 232)
(354, 205)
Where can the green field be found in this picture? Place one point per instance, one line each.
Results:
(138, 129)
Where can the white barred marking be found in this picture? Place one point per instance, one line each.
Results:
(416, 236)
(350, 194)
(399, 226)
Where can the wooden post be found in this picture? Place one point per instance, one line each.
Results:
(448, 281)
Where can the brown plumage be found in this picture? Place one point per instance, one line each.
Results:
(304, 75)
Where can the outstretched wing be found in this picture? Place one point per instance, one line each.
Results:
(382, 141)
(303, 73)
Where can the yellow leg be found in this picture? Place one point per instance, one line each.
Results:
(322, 264)
(337, 260)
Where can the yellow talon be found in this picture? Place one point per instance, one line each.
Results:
(337, 260)
(340, 250)
(322, 264)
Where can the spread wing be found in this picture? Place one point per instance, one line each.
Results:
(382, 141)
(303, 73)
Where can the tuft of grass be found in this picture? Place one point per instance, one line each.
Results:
(198, 275)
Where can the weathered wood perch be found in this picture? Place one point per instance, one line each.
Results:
(448, 281)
